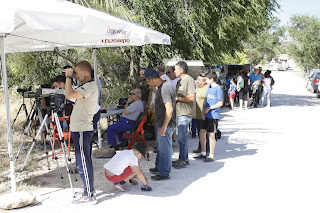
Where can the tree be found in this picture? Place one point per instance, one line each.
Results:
(305, 47)
(266, 44)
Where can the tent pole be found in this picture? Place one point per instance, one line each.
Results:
(95, 68)
(7, 104)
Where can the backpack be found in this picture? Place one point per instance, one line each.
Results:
(241, 85)
(272, 81)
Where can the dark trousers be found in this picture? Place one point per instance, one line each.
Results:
(83, 149)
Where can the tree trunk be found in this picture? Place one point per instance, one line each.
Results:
(135, 55)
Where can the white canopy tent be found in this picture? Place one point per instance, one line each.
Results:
(42, 25)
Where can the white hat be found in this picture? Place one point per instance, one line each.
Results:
(136, 91)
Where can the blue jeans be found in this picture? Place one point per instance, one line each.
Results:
(164, 153)
(265, 93)
(116, 130)
(182, 134)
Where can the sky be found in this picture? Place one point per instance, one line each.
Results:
(292, 7)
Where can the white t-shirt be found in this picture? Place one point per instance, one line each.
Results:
(267, 83)
(121, 161)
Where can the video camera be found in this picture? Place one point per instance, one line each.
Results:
(43, 92)
(22, 90)
(122, 103)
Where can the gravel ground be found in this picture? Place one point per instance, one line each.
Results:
(266, 161)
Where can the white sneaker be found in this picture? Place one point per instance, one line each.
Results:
(85, 200)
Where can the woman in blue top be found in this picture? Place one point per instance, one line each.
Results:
(210, 116)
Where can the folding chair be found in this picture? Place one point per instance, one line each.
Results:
(66, 135)
(137, 133)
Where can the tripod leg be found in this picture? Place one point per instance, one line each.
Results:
(53, 151)
(56, 120)
(25, 134)
(45, 147)
(34, 141)
(14, 120)
(25, 110)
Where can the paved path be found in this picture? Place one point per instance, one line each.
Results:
(266, 161)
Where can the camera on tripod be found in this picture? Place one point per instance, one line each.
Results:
(22, 90)
(43, 92)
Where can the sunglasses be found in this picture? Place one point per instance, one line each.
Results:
(202, 75)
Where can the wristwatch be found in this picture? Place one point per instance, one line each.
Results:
(68, 76)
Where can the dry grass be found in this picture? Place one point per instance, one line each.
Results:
(34, 161)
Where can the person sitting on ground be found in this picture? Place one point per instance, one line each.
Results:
(129, 116)
(124, 166)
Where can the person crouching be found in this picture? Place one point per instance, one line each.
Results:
(124, 166)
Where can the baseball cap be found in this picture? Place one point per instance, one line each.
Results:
(151, 73)
(136, 91)
(141, 148)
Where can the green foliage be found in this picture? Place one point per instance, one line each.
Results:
(202, 29)
(29, 69)
(266, 44)
(305, 47)
(237, 58)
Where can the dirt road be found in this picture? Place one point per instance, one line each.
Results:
(266, 161)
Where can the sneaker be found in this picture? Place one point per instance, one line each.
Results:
(155, 150)
(178, 161)
(180, 164)
(85, 200)
(197, 151)
(208, 159)
(153, 170)
(120, 186)
(160, 177)
(200, 157)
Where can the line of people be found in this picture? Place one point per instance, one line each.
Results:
(251, 90)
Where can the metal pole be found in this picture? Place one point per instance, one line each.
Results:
(7, 104)
(95, 68)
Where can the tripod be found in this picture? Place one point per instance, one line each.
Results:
(22, 106)
(55, 119)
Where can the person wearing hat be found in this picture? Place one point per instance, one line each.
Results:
(165, 122)
(132, 109)
(124, 166)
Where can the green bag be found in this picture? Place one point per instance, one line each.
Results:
(241, 85)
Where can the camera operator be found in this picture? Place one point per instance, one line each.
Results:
(81, 125)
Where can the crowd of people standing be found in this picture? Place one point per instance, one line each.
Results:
(175, 99)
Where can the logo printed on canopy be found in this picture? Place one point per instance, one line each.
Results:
(114, 31)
